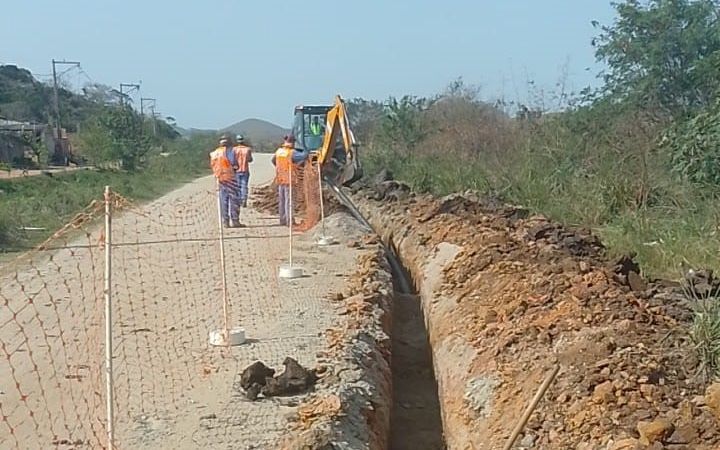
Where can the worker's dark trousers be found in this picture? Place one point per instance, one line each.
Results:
(229, 201)
(242, 179)
(284, 203)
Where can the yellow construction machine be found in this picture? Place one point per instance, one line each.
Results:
(324, 132)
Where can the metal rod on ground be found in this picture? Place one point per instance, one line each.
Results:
(107, 291)
(322, 205)
(290, 211)
(531, 407)
(226, 326)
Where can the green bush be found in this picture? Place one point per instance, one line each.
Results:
(596, 166)
(694, 147)
(599, 162)
(117, 135)
(705, 333)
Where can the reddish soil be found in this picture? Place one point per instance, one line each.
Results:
(524, 294)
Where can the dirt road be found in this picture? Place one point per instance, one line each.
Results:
(172, 390)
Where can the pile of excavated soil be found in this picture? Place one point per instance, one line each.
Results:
(265, 199)
(513, 295)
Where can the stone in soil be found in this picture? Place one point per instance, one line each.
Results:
(255, 373)
(656, 431)
(294, 380)
(258, 379)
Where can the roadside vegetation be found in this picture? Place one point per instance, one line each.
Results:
(139, 156)
(49, 202)
(637, 160)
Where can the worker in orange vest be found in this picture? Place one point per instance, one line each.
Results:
(284, 160)
(244, 158)
(224, 163)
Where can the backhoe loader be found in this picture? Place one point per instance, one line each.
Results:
(324, 132)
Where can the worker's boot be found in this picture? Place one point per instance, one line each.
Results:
(226, 223)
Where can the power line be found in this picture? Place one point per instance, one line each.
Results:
(59, 153)
(131, 87)
(66, 70)
(149, 100)
(85, 74)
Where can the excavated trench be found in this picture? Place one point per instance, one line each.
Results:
(495, 301)
(415, 417)
(509, 299)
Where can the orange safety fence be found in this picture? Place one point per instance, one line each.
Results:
(307, 201)
(165, 296)
(306, 186)
(50, 340)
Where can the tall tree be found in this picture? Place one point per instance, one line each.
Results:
(117, 134)
(663, 53)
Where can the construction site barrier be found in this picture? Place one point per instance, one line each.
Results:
(307, 188)
(104, 326)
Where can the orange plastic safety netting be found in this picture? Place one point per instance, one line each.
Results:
(170, 387)
(309, 205)
(307, 188)
(50, 340)
(165, 289)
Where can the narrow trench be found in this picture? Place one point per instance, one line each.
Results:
(415, 421)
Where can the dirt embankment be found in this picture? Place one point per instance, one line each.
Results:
(507, 296)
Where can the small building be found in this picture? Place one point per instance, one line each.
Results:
(13, 142)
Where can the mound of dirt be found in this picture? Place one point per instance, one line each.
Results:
(265, 199)
(523, 294)
(258, 379)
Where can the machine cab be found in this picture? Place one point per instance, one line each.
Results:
(324, 133)
(309, 127)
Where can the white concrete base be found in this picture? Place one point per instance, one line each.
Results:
(326, 240)
(289, 272)
(236, 337)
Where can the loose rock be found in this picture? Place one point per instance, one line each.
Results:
(656, 431)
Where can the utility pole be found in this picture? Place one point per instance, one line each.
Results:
(149, 100)
(131, 87)
(154, 118)
(59, 152)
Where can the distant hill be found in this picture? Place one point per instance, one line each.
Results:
(260, 132)
(187, 132)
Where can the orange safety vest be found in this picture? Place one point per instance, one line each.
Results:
(221, 167)
(283, 164)
(243, 155)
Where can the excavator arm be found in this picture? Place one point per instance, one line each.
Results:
(337, 121)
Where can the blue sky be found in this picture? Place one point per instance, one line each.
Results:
(215, 62)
